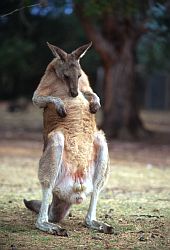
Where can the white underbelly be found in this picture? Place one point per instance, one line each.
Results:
(74, 190)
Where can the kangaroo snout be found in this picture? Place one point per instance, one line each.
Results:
(74, 93)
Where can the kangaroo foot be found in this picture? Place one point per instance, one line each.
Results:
(51, 228)
(99, 226)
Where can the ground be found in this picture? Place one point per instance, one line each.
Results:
(135, 201)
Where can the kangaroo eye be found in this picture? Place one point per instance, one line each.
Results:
(79, 75)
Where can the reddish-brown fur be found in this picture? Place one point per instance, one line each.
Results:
(75, 158)
(79, 124)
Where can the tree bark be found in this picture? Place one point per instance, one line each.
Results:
(120, 108)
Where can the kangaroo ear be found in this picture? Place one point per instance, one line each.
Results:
(80, 52)
(57, 52)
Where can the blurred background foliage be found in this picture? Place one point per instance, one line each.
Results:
(23, 51)
(23, 35)
(154, 47)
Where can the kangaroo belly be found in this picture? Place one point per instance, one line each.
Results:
(75, 179)
(78, 128)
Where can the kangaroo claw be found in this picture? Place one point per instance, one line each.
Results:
(94, 107)
(62, 112)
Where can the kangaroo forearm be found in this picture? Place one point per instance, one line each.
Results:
(42, 101)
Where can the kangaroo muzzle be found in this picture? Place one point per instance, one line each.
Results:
(74, 93)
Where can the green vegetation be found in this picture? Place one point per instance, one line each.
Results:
(23, 50)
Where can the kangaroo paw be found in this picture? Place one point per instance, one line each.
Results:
(62, 111)
(94, 107)
(51, 228)
(99, 226)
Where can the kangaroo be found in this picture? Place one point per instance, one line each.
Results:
(74, 162)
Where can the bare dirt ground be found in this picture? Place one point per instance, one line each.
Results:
(135, 201)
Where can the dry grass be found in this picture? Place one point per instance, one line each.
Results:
(136, 200)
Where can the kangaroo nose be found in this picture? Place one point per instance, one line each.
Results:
(74, 93)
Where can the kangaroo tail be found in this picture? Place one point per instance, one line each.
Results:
(33, 205)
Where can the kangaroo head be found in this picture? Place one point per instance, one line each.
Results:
(69, 69)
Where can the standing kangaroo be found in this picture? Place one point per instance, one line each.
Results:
(75, 157)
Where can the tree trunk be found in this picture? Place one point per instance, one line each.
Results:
(120, 108)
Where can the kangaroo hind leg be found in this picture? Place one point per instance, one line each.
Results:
(100, 176)
(49, 168)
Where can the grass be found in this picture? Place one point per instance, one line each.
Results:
(135, 201)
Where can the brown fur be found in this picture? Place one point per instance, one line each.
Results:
(75, 158)
(78, 126)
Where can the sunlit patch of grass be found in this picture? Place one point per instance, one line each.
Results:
(156, 120)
